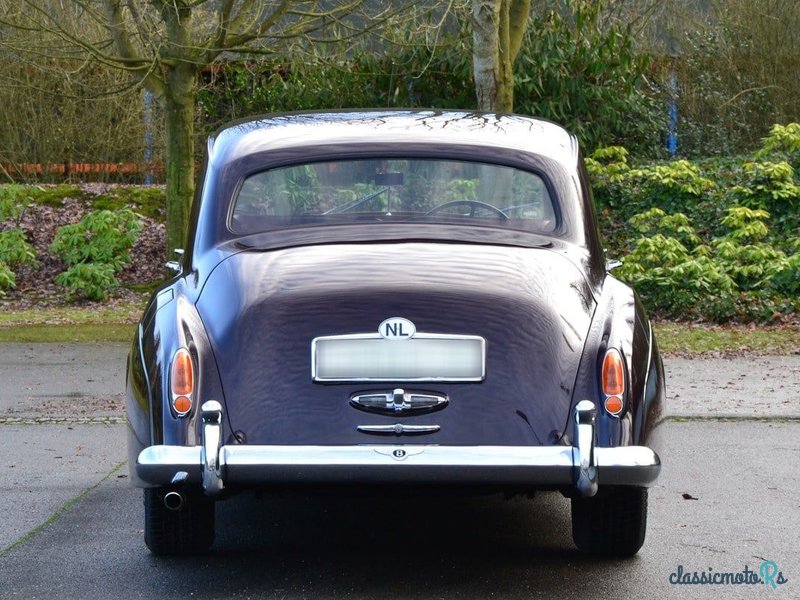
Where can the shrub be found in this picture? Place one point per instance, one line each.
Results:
(7, 278)
(575, 67)
(102, 236)
(737, 275)
(786, 281)
(673, 185)
(92, 281)
(95, 249)
(676, 224)
(762, 272)
(769, 186)
(676, 278)
(724, 105)
(409, 75)
(609, 161)
(783, 141)
(13, 201)
(14, 248)
(702, 190)
(582, 70)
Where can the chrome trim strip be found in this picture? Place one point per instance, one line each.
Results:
(378, 336)
(140, 358)
(649, 359)
(398, 429)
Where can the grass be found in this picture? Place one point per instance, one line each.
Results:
(116, 323)
(727, 339)
(148, 201)
(84, 332)
(71, 323)
(47, 195)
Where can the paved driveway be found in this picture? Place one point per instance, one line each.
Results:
(727, 499)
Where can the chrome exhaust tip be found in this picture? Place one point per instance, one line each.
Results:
(173, 500)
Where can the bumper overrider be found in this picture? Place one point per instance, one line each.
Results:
(215, 465)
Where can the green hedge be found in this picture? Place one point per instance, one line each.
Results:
(713, 240)
(708, 240)
(574, 68)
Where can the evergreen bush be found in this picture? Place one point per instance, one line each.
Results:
(14, 247)
(95, 249)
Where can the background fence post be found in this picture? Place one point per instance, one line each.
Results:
(672, 131)
(148, 137)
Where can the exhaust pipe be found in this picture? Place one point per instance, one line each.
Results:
(173, 500)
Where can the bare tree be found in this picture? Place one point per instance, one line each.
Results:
(44, 120)
(498, 28)
(165, 44)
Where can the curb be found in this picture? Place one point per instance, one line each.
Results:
(63, 420)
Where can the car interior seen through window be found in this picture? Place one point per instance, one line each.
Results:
(392, 190)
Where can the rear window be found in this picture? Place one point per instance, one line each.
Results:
(377, 191)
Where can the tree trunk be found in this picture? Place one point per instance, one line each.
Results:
(505, 68)
(513, 22)
(498, 27)
(179, 114)
(485, 51)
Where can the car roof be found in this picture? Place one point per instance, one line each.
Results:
(255, 144)
(292, 130)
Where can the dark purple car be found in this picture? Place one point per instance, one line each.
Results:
(394, 298)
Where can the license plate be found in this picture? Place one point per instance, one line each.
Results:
(424, 357)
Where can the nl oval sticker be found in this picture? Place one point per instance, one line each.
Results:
(397, 328)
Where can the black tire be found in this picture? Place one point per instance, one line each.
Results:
(611, 523)
(189, 530)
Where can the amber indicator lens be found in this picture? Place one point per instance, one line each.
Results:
(613, 374)
(182, 374)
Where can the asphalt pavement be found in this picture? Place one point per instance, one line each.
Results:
(727, 500)
(85, 382)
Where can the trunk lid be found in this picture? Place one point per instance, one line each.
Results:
(262, 309)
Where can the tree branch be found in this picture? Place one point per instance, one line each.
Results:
(259, 26)
(116, 28)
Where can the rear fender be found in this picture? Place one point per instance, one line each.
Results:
(170, 322)
(620, 322)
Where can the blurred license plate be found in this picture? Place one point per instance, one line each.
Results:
(425, 357)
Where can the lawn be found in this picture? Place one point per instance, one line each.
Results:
(117, 323)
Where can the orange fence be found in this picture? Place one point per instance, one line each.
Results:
(66, 169)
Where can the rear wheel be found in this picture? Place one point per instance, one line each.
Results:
(189, 530)
(611, 523)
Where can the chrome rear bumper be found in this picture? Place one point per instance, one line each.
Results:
(215, 466)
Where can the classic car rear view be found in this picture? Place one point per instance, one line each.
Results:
(394, 298)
